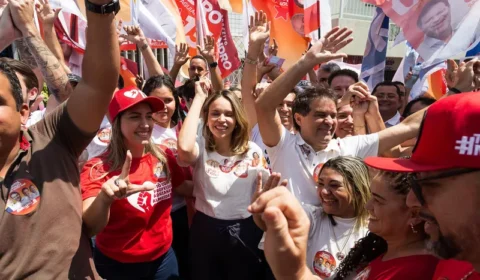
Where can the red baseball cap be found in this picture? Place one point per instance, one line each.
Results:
(130, 96)
(449, 138)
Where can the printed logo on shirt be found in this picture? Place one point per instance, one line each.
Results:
(159, 171)
(316, 172)
(212, 168)
(23, 197)
(324, 264)
(105, 135)
(145, 201)
(364, 274)
(170, 144)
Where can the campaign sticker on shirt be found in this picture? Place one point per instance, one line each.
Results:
(23, 197)
(105, 135)
(159, 171)
(241, 169)
(170, 144)
(256, 159)
(212, 168)
(316, 172)
(364, 274)
(324, 264)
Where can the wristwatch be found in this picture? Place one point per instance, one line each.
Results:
(213, 65)
(112, 7)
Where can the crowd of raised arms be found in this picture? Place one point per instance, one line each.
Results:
(268, 179)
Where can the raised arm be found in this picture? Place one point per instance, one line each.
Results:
(187, 150)
(209, 53)
(395, 135)
(181, 57)
(101, 66)
(47, 16)
(324, 50)
(136, 36)
(258, 34)
(36, 53)
(8, 32)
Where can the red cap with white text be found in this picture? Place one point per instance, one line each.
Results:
(449, 138)
(130, 96)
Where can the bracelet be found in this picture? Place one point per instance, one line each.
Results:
(455, 90)
(250, 61)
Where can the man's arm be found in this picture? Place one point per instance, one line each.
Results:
(395, 135)
(101, 66)
(53, 72)
(47, 16)
(209, 53)
(323, 51)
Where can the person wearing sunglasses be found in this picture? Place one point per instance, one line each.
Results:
(444, 172)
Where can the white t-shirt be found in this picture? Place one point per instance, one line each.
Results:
(168, 137)
(101, 140)
(223, 186)
(300, 164)
(322, 249)
(35, 117)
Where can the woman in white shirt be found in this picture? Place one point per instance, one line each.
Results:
(223, 236)
(167, 126)
(344, 189)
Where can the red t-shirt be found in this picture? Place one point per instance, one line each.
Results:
(453, 269)
(418, 267)
(139, 228)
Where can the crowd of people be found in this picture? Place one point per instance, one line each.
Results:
(274, 178)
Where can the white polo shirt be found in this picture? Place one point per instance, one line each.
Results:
(300, 164)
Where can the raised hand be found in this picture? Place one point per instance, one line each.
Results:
(203, 87)
(22, 15)
(259, 28)
(327, 47)
(209, 50)
(286, 235)
(272, 182)
(8, 30)
(119, 187)
(263, 69)
(464, 77)
(356, 92)
(134, 35)
(45, 12)
(181, 54)
(373, 109)
(121, 40)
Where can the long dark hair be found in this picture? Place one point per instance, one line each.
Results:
(371, 246)
(158, 81)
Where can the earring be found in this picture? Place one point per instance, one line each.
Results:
(413, 229)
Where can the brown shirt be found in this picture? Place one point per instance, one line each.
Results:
(41, 205)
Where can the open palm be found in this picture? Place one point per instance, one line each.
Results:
(327, 48)
(259, 28)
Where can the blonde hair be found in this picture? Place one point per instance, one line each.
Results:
(356, 181)
(116, 152)
(240, 134)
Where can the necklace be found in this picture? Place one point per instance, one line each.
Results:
(340, 255)
(468, 275)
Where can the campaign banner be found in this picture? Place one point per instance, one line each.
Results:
(373, 64)
(436, 29)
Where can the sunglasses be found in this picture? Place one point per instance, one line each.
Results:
(415, 183)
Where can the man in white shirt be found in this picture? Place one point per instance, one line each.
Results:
(389, 101)
(299, 157)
